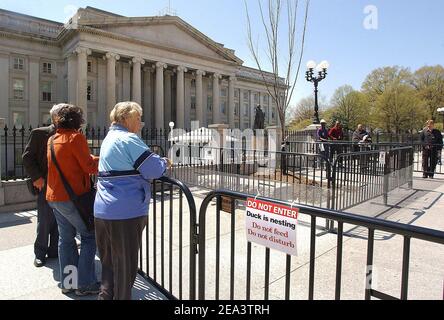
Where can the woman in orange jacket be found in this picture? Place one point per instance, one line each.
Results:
(77, 271)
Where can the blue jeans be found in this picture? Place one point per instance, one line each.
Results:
(70, 223)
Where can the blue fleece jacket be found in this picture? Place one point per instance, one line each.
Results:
(125, 166)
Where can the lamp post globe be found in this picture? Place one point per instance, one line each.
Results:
(310, 77)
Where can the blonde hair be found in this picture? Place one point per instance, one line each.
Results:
(125, 110)
(429, 122)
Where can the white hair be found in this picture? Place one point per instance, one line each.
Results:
(125, 110)
(57, 107)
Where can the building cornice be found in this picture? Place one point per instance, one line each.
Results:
(178, 22)
(115, 36)
(12, 34)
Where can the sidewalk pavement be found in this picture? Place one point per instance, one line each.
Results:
(21, 280)
(422, 206)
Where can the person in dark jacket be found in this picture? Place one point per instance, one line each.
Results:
(36, 166)
(322, 136)
(431, 139)
(336, 135)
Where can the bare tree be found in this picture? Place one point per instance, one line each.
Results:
(279, 88)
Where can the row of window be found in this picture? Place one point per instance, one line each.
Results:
(18, 88)
(47, 67)
(46, 95)
(19, 119)
(19, 64)
(224, 93)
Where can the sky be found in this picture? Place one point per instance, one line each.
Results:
(354, 36)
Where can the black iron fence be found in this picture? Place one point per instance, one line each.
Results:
(167, 256)
(14, 140)
(280, 175)
(378, 137)
(360, 176)
(237, 269)
(309, 178)
(332, 150)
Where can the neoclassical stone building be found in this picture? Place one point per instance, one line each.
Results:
(99, 58)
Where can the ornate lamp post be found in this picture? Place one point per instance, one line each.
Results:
(322, 73)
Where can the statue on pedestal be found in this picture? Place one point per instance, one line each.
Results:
(259, 120)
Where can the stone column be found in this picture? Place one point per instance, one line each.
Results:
(72, 78)
(60, 87)
(34, 91)
(159, 102)
(199, 99)
(82, 78)
(137, 78)
(110, 82)
(180, 97)
(252, 108)
(126, 81)
(4, 87)
(167, 100)
(270, 109)
(102, 92)
(216, 98)
(3, 120)
(231, 104)
(148, 111)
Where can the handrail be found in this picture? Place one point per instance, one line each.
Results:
(416, 232)
(193, 232)
(370, 223)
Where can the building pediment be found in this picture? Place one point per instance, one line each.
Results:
(166, 31)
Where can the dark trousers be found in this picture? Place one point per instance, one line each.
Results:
(118, 242)
(336, 150)
(429, 161)
(46, 242)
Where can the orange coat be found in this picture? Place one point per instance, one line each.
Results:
(75, 161)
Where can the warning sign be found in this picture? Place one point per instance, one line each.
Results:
(271, 225)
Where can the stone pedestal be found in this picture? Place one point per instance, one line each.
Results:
(274, 138)
(274, 145)
(311, 131)
(220, 130)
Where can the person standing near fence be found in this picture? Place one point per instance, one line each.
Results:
(72, 154)
(36, 166)
(123, 199)
(322, 136)
(336, 135)
(432, 144)
(361, 138)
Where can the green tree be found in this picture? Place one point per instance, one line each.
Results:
(350, 107)
(380, 79)
(376, 84)
(429, 84)
(399, 110)
(302, 114)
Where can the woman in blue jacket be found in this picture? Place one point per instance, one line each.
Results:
(122, 201)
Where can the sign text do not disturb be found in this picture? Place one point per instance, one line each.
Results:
(271, 225)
